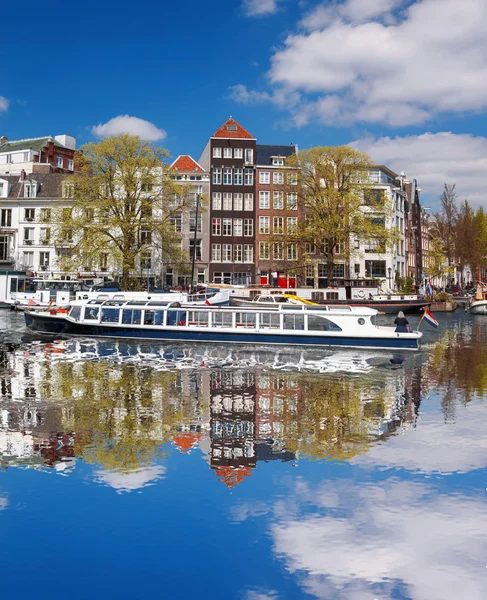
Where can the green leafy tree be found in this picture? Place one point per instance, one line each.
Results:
(338, 205)
(122, 201)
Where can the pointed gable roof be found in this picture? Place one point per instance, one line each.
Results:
(186, 164)
(232, 476)
(232, 129)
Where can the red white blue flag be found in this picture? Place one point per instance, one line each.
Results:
(430, 318)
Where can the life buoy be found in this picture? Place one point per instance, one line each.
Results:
(361, 294)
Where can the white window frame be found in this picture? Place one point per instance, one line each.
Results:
(216, 226)
(226, 253)
(59, 162)
(227, 153)
(292, 201)
(238, 201)
(217, 176)
(264, 177)
(227, 176)
(249, 201)
(278, 223)
(264, 225)
(238, 227)
(238, 253)
(278, 200)
(248, 177)
(217, 152)
(227, 227)
(248, 253)
(216, 203)
(248, 227)
(227, 201)
(264, 251)
(216, 253)
(238, 153)
(278, 178)
(249, 156)
(238, 176)
(264, 200)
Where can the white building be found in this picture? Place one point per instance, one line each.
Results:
(54, 153)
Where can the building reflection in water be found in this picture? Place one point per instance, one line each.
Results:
(106, 403)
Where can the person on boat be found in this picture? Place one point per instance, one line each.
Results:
(401, 323)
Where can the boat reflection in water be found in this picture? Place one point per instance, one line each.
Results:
(99, 401)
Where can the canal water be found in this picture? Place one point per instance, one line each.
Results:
(174, 472)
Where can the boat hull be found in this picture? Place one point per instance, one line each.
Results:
(62, 325)
(478, 307)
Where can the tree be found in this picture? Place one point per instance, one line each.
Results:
(445, 221)
(338, 204)
(122, 203)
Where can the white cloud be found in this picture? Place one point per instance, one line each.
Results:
(376, 61)
(381, 536)
(241, 94)
(132, 125)
(133, 480)
(3, 103)
(434, 159)
(257, 8)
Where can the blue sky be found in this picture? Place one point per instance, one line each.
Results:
(404, 80)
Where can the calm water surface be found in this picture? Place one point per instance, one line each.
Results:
(130, 471)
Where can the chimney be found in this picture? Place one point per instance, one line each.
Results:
(22, 175)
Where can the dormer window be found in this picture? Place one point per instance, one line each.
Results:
(68, 190)
(278, 162)
(30, 190)
(232, 128)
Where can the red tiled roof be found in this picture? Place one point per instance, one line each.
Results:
(240, 132)
(232, 476)
(186, 164)
(185, 442)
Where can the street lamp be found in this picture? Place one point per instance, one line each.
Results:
(192, 289)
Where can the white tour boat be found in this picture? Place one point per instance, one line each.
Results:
(287, 324)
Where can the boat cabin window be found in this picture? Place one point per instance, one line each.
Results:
(91, 313)
(75, 312)
(198, 318)
(269, 321)
(293, 321)
(245, 319)
(176, 317)
(317, 296)
(148, 317)
(222, 319)
(332, 295)
(318, 323)
(109, 315)
(131, 317)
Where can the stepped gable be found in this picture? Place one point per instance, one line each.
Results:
(232, 129)
(186, 164)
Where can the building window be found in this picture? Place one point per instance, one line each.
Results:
(45, 236)
(238, 176)
(248, 227)
(217, 201)
(217, 176)
(278, 250)
(237, 201)
(216, 227)
(264, 200)
(28, 259)
(192, 222)
(198, 249)
(278, 200)
(29, 214)
(68, 190)
(216, 252)
(45, 215)
(145, 237)
(292, 179)
(249, 156)
(44, 259)
(248, 253)
(4, 248)
(278, 178)
(28, 236)
(237, 253)
(278, 162)
(227, 227)
(70, 165)
(217, 152)
(226, 252)
(59, 162)
(292, 201)
(227, 201)
(145, 260)
(264, 177)
(227, 153)
(278, 227)
(292, 252)
(237, 153)
(175, 221)
(264, 253)
(6, 217)
(238, 227)
(310, 249)
(249, 202)
(375, 268)
(8, 158)
(292, 224)
(357, 268)
(248, 177)
(264, 225)
(104, 261)
(338, 271)
(227, 176)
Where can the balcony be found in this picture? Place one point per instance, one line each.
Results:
(28, 242)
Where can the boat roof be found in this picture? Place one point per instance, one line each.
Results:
(284, 307)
